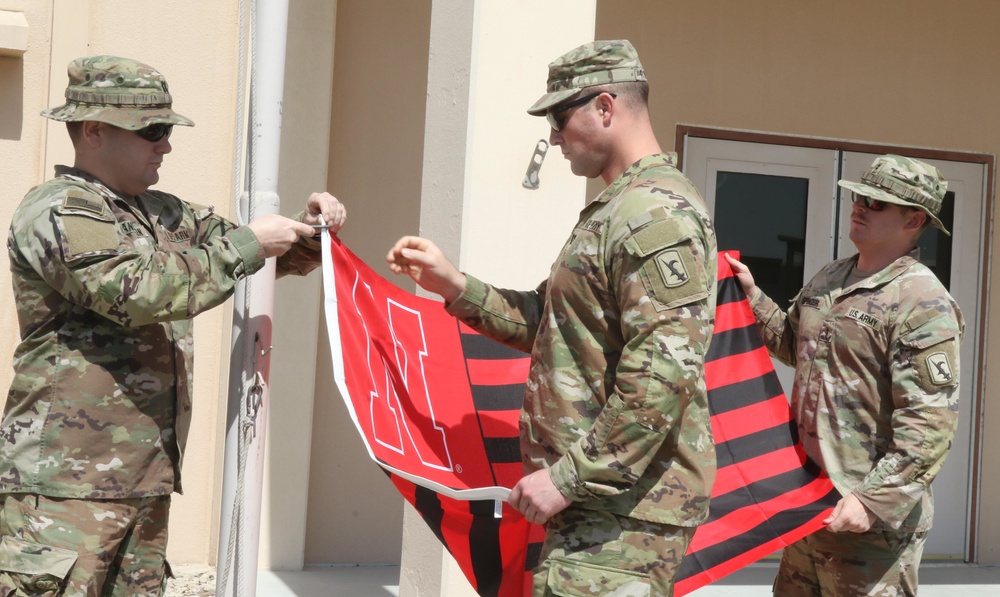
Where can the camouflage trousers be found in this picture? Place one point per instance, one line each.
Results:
(876, 563)
(81, 548)
(587, 552)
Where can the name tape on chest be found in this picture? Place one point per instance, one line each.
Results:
(811, 301)
(865, 319)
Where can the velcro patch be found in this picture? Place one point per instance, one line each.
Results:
(82, 201)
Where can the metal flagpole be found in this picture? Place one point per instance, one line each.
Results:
(246, 419)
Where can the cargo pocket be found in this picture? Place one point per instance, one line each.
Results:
(32, 568)
(575, 579)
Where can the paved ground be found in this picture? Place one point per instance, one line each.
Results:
(937, 580)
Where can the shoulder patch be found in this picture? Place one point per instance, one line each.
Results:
(939, 369)
(672, 268)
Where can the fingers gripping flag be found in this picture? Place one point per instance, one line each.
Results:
(437, 407)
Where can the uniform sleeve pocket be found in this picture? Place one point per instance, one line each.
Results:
(669, 265)
(575, 579)
(88, 226)
(34, 568)
(932, 340)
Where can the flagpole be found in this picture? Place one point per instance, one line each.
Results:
(246, 419)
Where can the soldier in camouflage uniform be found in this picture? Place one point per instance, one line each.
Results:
(618, 452)
(874, 340)
(107, 277)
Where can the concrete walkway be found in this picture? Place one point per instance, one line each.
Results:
(936, 580)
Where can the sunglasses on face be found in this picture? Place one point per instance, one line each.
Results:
(872, 204)
(554, 117)
(155, 132)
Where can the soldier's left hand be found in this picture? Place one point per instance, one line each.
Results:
(850, 515)
(324, 204)
(537, 497)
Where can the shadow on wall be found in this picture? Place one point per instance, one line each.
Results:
(11, 97)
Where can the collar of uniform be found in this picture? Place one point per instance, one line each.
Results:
(632, 172)
(84, 176)
(889, 272)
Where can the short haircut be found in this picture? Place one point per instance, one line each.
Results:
(633, 94)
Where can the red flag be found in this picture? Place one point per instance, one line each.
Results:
(437, 406)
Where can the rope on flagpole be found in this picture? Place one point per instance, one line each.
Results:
(247, 415)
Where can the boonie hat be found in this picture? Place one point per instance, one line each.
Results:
(596, 63)
(904, 181)
(119, 91)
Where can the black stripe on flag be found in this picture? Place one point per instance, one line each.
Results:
(730, 291)
(480, 347)
(756, 444)
(762, 490)
(534, 554)
(744, 393)
(779, 524)
(733, 342)
(502, 449)
(505, 397)
(428, 505)
(484, 547)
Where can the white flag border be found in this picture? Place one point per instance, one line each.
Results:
(339, 376)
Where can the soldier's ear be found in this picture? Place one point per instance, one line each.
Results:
(916, 220)
(92, 132)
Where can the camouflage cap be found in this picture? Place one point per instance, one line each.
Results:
(119, 91)
(904, 181)
(596, 63)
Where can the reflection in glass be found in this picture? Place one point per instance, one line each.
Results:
(764, 217)
(935, 246)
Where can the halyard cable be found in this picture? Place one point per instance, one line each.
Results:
(247, 415)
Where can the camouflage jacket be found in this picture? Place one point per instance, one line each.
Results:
(106, 287)
(876, 381)
(616, 403)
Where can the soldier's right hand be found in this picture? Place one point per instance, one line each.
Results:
(424, 262)
(742, 273)
(276, 233)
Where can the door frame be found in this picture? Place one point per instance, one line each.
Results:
(684, 131)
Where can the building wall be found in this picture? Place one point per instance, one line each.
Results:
(376, 138)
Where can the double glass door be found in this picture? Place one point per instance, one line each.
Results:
(780, 206)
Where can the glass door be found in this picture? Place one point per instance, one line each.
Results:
(773, 203)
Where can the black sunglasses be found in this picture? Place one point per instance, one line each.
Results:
(553, 114)
(872, 204)
(155, 132)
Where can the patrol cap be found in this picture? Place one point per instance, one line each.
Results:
(119, 91)
(904, 181)
(596, 63)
